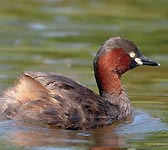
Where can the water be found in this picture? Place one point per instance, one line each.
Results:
(63, 36)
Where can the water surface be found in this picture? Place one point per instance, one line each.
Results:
(63, 36)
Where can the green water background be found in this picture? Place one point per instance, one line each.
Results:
(63, 36)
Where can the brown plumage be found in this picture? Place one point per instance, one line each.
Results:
(61, 102)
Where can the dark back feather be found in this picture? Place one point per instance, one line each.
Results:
(58, 101)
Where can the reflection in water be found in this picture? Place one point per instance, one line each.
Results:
(107, 148)
(30, 134)
(115, 137)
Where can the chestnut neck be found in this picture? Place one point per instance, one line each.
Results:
(108, 69)
(108, 81)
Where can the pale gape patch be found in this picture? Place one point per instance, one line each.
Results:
(138, 61)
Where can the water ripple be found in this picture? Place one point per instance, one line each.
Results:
(142, 123)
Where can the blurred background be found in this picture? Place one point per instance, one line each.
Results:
(63, 36)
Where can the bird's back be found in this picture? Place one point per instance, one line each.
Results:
(56, 100)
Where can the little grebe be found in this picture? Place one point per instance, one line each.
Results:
(61, 102)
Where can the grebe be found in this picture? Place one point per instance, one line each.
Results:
(61, 102)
